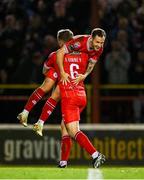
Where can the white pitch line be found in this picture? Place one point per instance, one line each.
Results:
(94, 174)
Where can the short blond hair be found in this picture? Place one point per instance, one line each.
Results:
(64, 35)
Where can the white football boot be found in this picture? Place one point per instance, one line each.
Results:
(23, 117)
(38, 128)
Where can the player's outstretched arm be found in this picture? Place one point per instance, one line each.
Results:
(81, 77)
(60, 59)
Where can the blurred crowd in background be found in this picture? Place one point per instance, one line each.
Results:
(28, 31)
(28, 34)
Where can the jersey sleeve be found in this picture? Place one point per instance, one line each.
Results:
(95, 58)
(73, 45)
(50, 61)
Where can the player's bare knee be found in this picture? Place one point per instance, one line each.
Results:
(45, 87)
(56, 97)
(64, 131)
(71, 132)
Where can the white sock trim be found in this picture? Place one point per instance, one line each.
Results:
(25, 112)
(41, 122)
(95, 154)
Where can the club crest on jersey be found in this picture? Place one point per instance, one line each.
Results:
(76, 45)
(55, 75)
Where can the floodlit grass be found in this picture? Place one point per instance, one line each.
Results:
(30, 172)
(123, 173)
(42, 173)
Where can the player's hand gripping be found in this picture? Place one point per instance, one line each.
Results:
(64, 78)
(79, 78)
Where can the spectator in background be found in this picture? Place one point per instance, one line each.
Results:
(36, 30)
(140, 16)
(41, 8)
(60, 18)
(36, 72)
(137, 23)
(125, 7)
(123, 25)
(30, 69)
(49, 45)
(117, 63)
(138, 69)
(10, 51)
(3, 76)
(122, 37)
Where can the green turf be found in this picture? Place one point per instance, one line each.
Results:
(42, 173)
(69, 173)
(123, 173)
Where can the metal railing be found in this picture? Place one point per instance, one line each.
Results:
(103, 98)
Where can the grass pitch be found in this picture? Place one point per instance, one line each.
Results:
(30, 172)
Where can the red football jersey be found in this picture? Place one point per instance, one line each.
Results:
(73, 96)
(51, 61)
(81, 43)
(74, 63)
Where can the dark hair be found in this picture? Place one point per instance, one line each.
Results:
(65, 35)
(98, 32)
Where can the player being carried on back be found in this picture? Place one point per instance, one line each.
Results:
(51, 77)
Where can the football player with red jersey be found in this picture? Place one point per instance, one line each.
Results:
(49, 70)
(74, 63)
(73, 101)
(50, 79)
(90, 44)
(72, 92)
(74, 60)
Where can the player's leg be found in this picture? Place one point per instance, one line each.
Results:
(71, 114)
(48, 108)
(84, 142)
(37, 95)
(66, 143)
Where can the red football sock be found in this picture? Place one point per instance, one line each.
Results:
(48, 109)
(84, 142)
(34, 98)
(66, 144)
